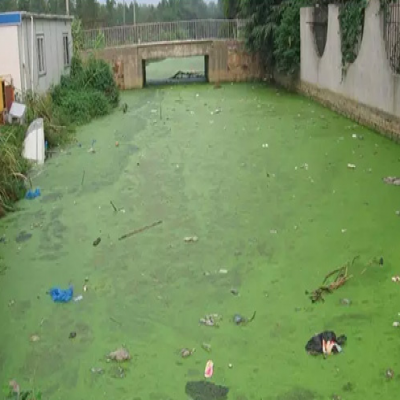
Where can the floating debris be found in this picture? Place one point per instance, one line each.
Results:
(209, 369)
(78, 298)
(223, 271)
(97, 242)
(230, 366)
(396, 279)
(191, 239)
(119, 355)
(185, 353)
(392, 180)
(396, 324)
(235, 292)
(72, 335)
(140, 230)
(210, 320)
(23, 237)
(345, 302)
(240, 320)
(206, 347)
(34, 338)
(97, 371)
(351, 166)
(389, 373)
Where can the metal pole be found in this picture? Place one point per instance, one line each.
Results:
(67, 6)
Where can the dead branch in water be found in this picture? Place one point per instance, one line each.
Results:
(140, 230)
(341, 276)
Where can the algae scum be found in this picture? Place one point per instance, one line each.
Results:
(260, 179)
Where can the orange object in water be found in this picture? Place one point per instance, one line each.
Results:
(116, 144)
(209, 370)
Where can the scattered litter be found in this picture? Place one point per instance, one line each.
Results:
(392, 180)
(345, 302)
(14, 387)
(325, 343)
(34, 338)
(97, 371)
(11, 303)
(304, 166)
(273, 231)
(206, 347)
(235, 292)
(119, 355)
(240, 320)
(191, 239)
(78, 298)
(85, 288)
(217, 111)
(211, 320)
(97, 242)
(396, 324)
(389, 373)
(223, 271)
(61, 296)
(344, 230)
(230, 366)
(396, 278)
(92, 150)
(354, 136)
(32, 194)
(117, 144)
(351, 166)
(140, 230)
(72, 335)
(209, 369)
(23, 237)
(185, 353)
(265, 145)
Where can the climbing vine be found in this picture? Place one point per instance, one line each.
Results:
(351, 19)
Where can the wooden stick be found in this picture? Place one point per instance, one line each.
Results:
(83, 177)
(140, 230)
(113, 206)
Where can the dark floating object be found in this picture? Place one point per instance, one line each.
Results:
(72, 335)
(97, 242)
(23, 237)
(235, 292)
(124, 108)
(240, 320)
(140, 230)
(202, 390)
(381, 261)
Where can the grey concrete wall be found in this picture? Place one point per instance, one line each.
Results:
(228, 60)
(53, 31)
(369, 91)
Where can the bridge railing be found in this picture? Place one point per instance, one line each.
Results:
(163, 32)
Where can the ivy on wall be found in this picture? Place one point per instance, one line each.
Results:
(351, 19)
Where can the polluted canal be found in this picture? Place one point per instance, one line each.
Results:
(190, 237)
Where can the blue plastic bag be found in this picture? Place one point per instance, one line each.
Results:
(32, 194)
(61, 296)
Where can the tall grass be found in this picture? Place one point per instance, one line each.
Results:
(88, 92)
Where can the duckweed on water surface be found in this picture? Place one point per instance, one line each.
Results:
(277, 218)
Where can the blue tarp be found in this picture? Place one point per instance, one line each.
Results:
(61, 296)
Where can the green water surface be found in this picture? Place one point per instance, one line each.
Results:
(261, 178)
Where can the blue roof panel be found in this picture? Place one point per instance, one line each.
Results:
(10, 18)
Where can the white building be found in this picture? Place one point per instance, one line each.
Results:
(35, 49)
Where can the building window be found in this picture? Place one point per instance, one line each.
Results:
(66, 50)
(40, 54)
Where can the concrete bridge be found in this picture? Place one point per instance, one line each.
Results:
(127, 50)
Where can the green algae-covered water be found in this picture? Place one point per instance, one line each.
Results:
(261, 178)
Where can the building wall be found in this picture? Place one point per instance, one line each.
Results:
(9, 54)
(227, 60)
(369, 91)
(53, 31)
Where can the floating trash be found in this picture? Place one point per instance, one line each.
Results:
(34, 338)
(351, 166)
(119, 355)
(209, 369)
(223, 271)
(191, 239)
(185, 353)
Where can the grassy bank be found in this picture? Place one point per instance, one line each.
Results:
(88, 92)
